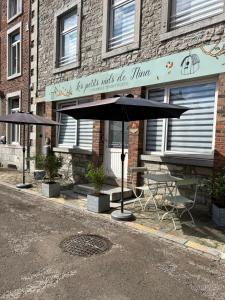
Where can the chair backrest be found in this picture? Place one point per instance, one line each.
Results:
(189, 182)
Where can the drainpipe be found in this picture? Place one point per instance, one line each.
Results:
(29, 82)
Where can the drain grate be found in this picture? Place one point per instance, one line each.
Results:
(85, 245)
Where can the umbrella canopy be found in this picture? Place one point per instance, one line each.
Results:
(26, 118)
(124, 109)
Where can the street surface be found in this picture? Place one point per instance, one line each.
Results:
(138, 267)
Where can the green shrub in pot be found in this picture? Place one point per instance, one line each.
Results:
(218, 198)
(97, 202)
(51, 165)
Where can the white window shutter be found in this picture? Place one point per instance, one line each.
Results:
(122, 19)
(67, 131)
(185, 12)
(154, 127)
(85, 134)
(193, 132)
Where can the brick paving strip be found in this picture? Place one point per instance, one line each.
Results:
(195, 246)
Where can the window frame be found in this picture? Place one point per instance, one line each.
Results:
(59, 106)
(9, 97)
(62, 104)
(10, 32)
(63, 33)
(164, 152)
(166, 33)
(57, 24)
(107, 19)
(9, 19)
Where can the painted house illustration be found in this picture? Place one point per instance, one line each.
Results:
(190, 64)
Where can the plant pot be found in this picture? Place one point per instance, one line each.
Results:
(98, 203)
(218, 215)
(39, 174)
(50, 189)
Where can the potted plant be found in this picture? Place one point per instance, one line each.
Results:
(50, 164)
(97, 202)
(218, 199)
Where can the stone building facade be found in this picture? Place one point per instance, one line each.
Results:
(173, 55)
(16, 42)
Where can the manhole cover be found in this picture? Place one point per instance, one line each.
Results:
(85, 245)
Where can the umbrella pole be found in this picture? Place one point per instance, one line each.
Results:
(122, 169)
(24, 153)
(122, 215)
(24, 185)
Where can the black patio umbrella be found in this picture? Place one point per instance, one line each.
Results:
(26, 118)
(124, 109)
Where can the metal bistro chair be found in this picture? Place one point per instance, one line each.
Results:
(144, 194)
(139, 191)
(182, 203)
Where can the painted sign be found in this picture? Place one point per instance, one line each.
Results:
(198, 62)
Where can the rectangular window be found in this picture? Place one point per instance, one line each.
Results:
(14, 131)
(14, 42)
(185, 12)
(122, 23)
(75, 133)
(14, 8)
(154, 127)
(191, 134)
(68, 38)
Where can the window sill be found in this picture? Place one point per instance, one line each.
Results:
(179, 160)
(15, 146)
(66, 67)
(120, 50)
(13, 76)
(14, 17)
(71, 150)
(195, 26)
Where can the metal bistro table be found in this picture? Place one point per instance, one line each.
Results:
(156, 181)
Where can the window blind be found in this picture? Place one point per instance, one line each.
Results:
(193, 132)
(185, 12)
(68, 131)
(154, 127)
(85, 134)
(122, 22)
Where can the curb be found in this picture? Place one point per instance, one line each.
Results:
(212, 252)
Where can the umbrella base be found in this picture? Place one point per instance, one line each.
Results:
(24, 185)
(119, 216)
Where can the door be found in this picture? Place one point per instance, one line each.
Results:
(113, 148)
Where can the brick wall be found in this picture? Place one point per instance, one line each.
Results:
(98, 137)
(219, 160)
(20, 83)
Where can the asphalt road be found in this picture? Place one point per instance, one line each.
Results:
(33, 266)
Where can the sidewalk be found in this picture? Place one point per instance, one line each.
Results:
(204, 237)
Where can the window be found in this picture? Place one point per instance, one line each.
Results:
(186, 12)
(68, 38)
(122, 21)
(14, 48)
(181, 16)
(193, 133)
(121, 26)
(14, 8)
(13, 130)
(75, 133)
